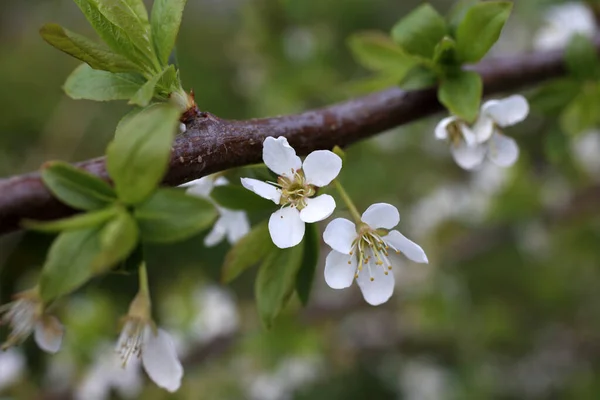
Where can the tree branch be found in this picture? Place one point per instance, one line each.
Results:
(212, 144)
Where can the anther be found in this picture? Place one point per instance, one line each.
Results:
(372, 279)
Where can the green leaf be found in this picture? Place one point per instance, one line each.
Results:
(310, 259)
(480, 29)
(445, 52)
(377, 52)
(461, 94)
(118, 239)
(170, 215)
(85, 50)
(554, 96)
(582, 113)
(458, 11)
(79, 221)
(251, 249)
(165, 21)
(77, 188)
(420, 31)
(419, 78)
(145, 94)
(92, 84)
(138, 157)
(276, 280)
(370, 84)
(69, 263)
(127, 40)
(238, 198)
(581, 58)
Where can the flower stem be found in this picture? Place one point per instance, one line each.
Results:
(351, 207)
(143, 277)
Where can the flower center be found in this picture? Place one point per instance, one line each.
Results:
(21, 315)
(372, 251)
(131, 340)
(455, 134)
(295, 191)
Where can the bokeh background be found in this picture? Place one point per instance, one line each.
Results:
(508, 308)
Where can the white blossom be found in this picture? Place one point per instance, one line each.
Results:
(25, 315)
(141, 339)
(471, 144)
(563, 21)
(231, 224)
(295, 189)
(363, 252)
(12, 366)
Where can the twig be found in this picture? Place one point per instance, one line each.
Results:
(212, 144)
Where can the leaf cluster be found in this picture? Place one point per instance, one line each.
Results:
(424, 49)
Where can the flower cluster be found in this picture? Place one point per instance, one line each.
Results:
(296, 188)
(471, 144)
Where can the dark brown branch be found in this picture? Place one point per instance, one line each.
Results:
(212, 144)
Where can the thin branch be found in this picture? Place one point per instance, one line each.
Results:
(212, 144)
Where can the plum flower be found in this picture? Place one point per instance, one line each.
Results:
(562, 22)
(295, 189)
(471, 144)
(142, 339)
(231, 223)
(368, 252)
(25, 315)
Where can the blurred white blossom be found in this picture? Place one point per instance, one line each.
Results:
(424, 380)
(563, 21)
(231, 224)
(585, 149)
(216, 313)
(12, 366)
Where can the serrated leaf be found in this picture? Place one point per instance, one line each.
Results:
(480, 29)
(238, 198)
(377, 52)
(170, 215)
(420, 31)
(117, 37)
(582, 59)
(310, 259)
(69, 263)
(275, 281)
(165, 21)
(249, 251)
(92, 84)
(118, 238)
(138, 157)
(145, 94)
(461, 94)
(77, 188)
(79, 221)
(85, 50)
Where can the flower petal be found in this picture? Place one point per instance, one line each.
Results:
(217, 234)
(339, 269)
(48, 334)
(468, 157)
(237, 225)
(321, 167)
(399, 242)
(262, 189)
(381, 215)
(286, 227)
(200, 187)
(339, 235)
(380, 289)
(482, 130)
(280, 157)
(508, 111)
(160, 359)
(317, 208)
(504, 150)
(441, 130)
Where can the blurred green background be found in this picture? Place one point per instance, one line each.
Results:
(508, 308)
